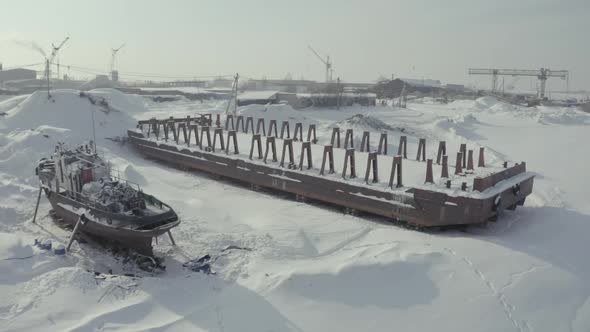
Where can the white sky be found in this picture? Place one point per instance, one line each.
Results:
(420, 38)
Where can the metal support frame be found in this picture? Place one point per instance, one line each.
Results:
(249, 125)
(463, 150)
(272, 147)
(193, 128)
(256, 140)
(382, 148)
(240, 123)
(335, 137)
(481, 161)
(260, 125)
(288, 148)
(311, 134)
(329, 154)
(349, 159)
(421, 149)
(442, 150)
(470, 161)
(229, 119)
(459, 163)
(305, 153)
(285, 125)
(232, 138)
(396, 172)
(365, 142)
(429, 175)
(298, 133)
(349, 139)
(402, 149)
(37, 205)
(372, 166)
(444, 173)
(218, 133)
(207, 133)
(183, 127)
(271, 126)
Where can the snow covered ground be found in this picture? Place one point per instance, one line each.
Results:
(308, 267)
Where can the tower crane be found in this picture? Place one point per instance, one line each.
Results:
(326, 62)
(49, 61)
(115, 74)
(542, 74)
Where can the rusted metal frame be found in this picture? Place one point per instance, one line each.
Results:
(429, 173)
(372, 166)
(305, 152)
(335, 137)
(365, 142)
(182, 126)
(298, 132)
(256, 141)
(421, 150)
(444, 173)
(470, 161)
(348, 139)
(396, 172)
(288, 148)
(218, 132)
(463, 150)
(260, 125)
(240, 123)
(329, 154)
(481, 161)
(217, 121)
(232, 138)
(382, 148)
(205, 131)
(229, 119)
(271, 126)
(459, 164)
(271, 146)
(442, 150)
(193, 129)
(311, 134)
(285, 125)
(249, 125)
(402, 149)
(349, 159)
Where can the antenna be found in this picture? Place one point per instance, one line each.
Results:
(114, 76)
(49, 62)
(326, 62)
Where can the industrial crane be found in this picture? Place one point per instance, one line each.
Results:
(115, 75)
(326, 62)
(542, 74)
(49, 61)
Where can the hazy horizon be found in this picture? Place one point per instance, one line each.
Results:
(366, 40)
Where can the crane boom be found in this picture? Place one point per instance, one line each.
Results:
(317, 55)
(326, 62)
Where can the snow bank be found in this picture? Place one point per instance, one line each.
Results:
(274, 112)
(12, 247)
(361, 122)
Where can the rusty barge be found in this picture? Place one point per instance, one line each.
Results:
(468, 195)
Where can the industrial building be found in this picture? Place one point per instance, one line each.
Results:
(17, 74)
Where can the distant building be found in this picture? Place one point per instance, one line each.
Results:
(17, 74)
(291, 86)
(455, 87)
(267, 97)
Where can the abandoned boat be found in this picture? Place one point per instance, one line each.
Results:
(82, 190)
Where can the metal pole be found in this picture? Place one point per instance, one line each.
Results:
(171, 238)
(74, 231)
(37, 206)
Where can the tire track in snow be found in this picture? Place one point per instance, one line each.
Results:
(498, 294)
